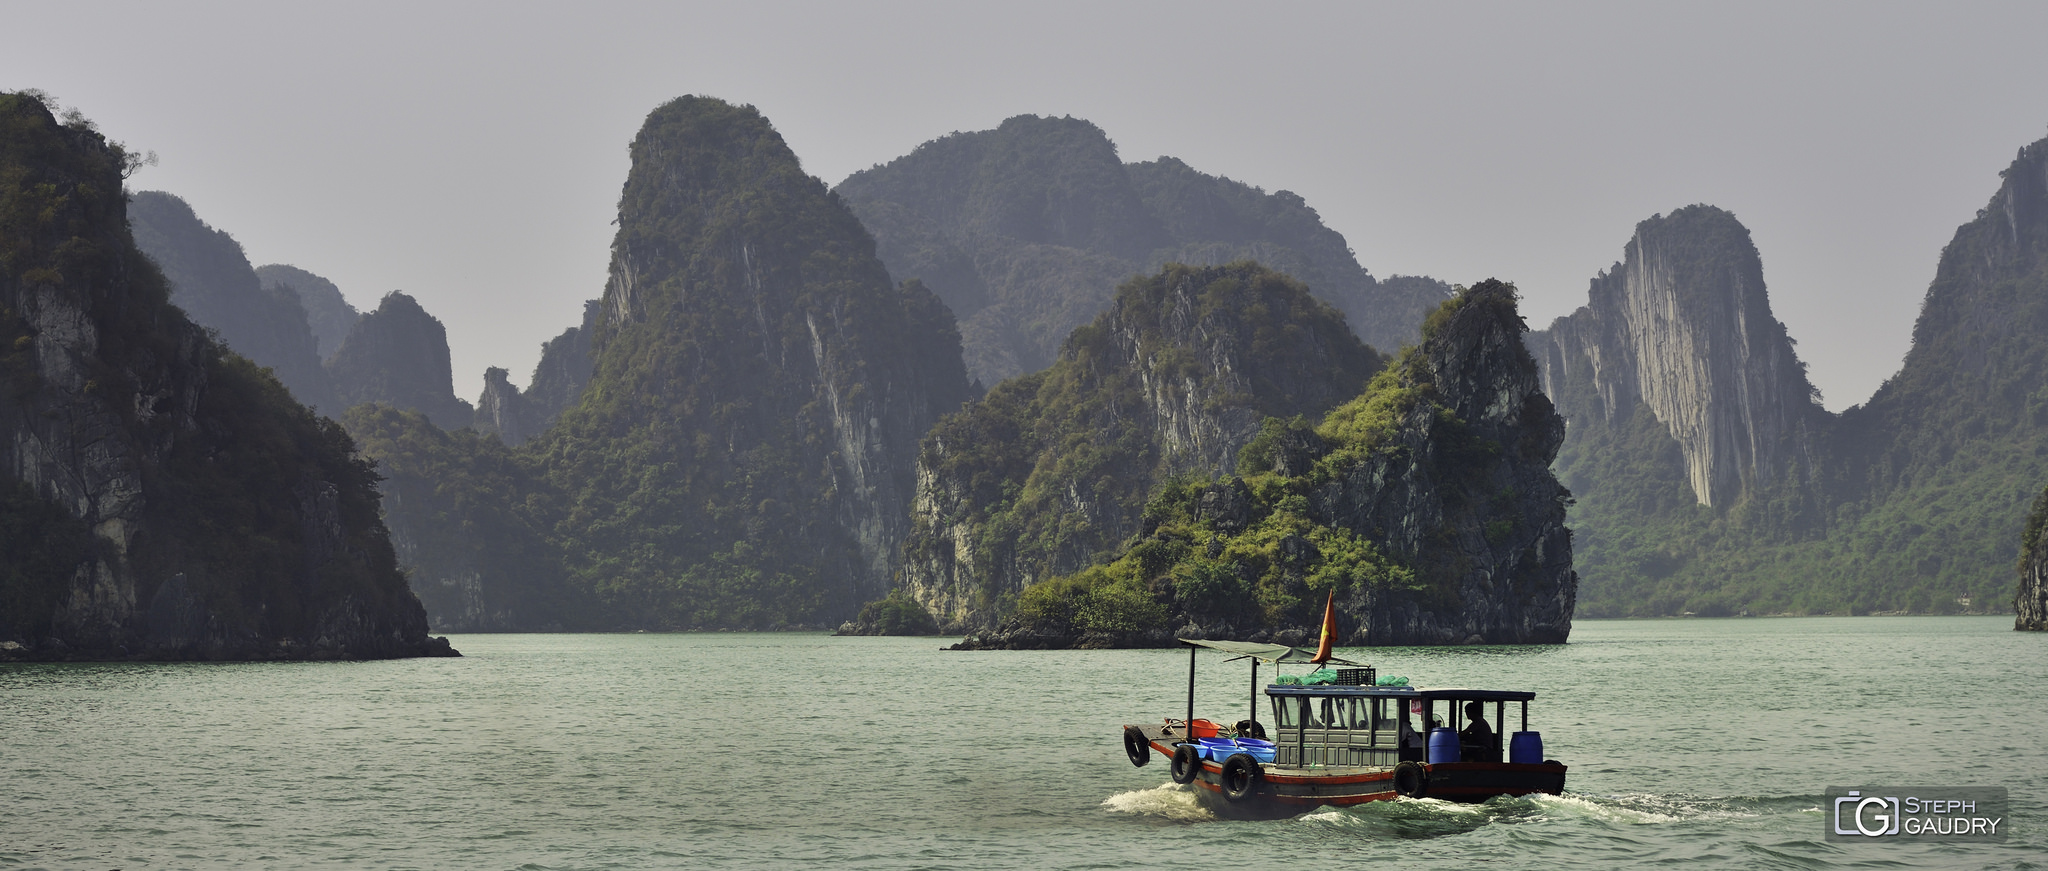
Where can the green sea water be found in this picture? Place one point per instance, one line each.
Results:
(1694, 742)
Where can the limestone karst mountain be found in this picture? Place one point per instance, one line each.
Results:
(742, 453)
(160, 495)
(397, 355)
(1052, 470)
(1026, 230)
(1424, 508)
(327, 311)
(211, 279)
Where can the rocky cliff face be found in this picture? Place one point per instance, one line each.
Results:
(398, 356)
(1051, 471)
(2030, 602)
(178, 503)
(1026, 230)
(212, 281)
(327, 311)
(764, 377)
(1425, 507)
(1684, 328)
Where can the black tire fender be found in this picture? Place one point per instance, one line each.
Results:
(1241, 776)
(1137, 746)
(1187, 763)
(1411, 780)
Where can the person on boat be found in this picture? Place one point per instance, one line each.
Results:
(1414, 747)
(1477, 737)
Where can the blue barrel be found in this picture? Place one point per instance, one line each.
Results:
(1443, 745)
(1526, 748)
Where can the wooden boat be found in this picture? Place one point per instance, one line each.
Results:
(1349, 741)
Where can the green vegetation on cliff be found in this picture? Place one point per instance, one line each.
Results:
(1052, 470)
(741, 456)
(1911, 502)
(1319, 510)
(227, 520)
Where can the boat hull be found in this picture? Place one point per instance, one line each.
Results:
(1295, 789)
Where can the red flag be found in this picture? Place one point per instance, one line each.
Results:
(1329, 630)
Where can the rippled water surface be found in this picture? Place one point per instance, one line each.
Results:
(1694, 741)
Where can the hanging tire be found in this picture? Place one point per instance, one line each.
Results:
(1241, 776)
(1187, 762)
(1137, 746)
(1411, 780)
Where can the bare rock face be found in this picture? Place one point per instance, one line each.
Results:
(398, 356)
(1683, 326)
(2030, 602)
(164, 498)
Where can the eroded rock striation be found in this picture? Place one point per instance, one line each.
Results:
(1424, 508)
(162, 497)
(1051, 471)
(1683, 328)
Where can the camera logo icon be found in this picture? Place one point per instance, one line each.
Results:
(1867, 815)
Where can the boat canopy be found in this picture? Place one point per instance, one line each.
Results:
(1275, 653)
(1457, 693)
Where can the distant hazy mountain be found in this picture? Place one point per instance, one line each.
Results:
(1026, 230)
(212, 281)
(398, 356)
(327, 311)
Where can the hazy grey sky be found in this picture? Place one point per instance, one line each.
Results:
(472, 154)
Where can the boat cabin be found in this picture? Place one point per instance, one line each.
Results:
(1338, 725)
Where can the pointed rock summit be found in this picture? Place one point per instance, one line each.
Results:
(1683, 328)
(742, 454)
(398, 356)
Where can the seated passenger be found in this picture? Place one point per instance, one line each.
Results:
(1476, 741)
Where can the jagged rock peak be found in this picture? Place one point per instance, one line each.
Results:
(2030, 601)
(398, 355)
(1683, 325)
(327, 311)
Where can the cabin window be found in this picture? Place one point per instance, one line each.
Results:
(1286, 711)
